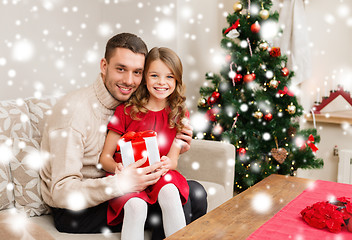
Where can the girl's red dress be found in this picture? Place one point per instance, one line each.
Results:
(157, 121)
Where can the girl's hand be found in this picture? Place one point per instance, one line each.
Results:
(167, 163)
(119, 168)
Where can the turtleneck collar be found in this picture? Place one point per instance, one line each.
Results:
(104, 96)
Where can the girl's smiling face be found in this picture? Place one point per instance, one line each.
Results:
(160, 82)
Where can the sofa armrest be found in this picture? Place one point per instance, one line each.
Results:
(210, 161)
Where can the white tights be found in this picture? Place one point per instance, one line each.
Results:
(171, 207)
(135, 214)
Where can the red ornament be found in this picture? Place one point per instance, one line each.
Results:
(275, 52)
(238, 78)
(228, 58)
(211, 114)
(285, 72)
(241, 152)
(249, 78)
(213, 98)
(268, 117)
(255, 27)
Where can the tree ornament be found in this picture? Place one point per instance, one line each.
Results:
(279, 154)
(217, 129)
(268, 117)
(232, 27)
(202, 102)
(258, 114)
(255, 27)
(213, 98)
(285, 72)
(263, 46)
(275, 52)
(291, 131)
(264, 14)
(228, 58)
(211, 114)
(238, 78)
(241, 152)
(291, 109)
(274, 83)
(249, 77)
(237, 6)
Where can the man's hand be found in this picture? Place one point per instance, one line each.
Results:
(135, 179)
(185, 135)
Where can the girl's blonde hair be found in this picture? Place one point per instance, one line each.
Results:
(176, 101)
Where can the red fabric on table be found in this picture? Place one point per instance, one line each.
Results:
(288, 223)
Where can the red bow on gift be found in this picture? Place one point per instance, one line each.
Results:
(285, 91)
(136, 136)
(310, 143)
(234, 26)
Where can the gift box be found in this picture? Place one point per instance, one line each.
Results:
(136, 145)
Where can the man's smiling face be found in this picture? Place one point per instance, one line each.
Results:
(122, 73)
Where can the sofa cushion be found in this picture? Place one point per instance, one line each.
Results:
(38, 110)
(14, 120)
(6, 186)
(25, 175)
(216, 194)
(16, 226)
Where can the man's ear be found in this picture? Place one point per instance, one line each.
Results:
(103, 66)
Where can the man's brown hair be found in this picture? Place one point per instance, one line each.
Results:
(125, 40)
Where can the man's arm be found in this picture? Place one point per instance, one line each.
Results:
(186, 136)
(67, 184)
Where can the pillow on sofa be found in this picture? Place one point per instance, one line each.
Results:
(38, 110)
(25, 167)
(6, 186)
(14, 119)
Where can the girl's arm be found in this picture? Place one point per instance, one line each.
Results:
(171, 159)
(107, 155)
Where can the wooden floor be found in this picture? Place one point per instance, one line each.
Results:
(236, 218)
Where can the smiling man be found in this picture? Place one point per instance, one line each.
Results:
(73, 183)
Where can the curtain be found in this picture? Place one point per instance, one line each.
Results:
(294, 41)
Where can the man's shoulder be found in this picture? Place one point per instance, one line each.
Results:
(70, 107)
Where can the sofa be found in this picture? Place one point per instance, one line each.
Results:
(24, 215)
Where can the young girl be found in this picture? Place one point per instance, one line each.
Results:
(159, 105)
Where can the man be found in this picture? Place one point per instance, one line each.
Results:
(73, 184)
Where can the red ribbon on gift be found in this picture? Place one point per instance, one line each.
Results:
(285, 91)
(234, 26)
(138, 136)
(310, 143)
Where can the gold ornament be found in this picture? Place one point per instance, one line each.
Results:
(237, 6)
(273, 83)
(202, 102)
(264, 14)
(258, 114)
(291, 109)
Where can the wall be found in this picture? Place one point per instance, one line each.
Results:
(330, 30)
(55, 46)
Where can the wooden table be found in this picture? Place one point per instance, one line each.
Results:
(236, 219)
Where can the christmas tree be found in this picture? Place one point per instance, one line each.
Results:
(250, 105)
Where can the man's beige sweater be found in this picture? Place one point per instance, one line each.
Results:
(74, 137)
